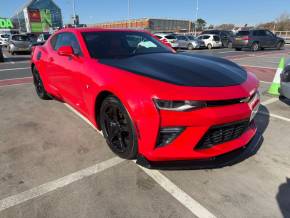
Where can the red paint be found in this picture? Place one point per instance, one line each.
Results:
(81, 80)
(264, 74)
(8, 82)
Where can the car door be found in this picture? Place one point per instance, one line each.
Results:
(69, 69)
(263, 39)
(271, 39)
(184, 41)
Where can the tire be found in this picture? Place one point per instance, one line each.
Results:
(238, 49)
(255, 47)
(280, 45)
(118, 128)
(209, 46)
(38, 84)
(190, 46)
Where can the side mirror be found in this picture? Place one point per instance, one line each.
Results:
(65, 51)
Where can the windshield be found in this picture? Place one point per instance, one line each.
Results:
(20, 38)
(122, 44)
(191, 37)
(6, 36)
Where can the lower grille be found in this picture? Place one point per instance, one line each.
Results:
(221, 134)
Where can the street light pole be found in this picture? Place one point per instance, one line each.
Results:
(196, 15)
(129, 23)
(74, 11)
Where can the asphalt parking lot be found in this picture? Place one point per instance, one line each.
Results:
(54, 164)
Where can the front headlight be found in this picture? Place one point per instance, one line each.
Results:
(178, 105)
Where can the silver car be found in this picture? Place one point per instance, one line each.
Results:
(285, 82)
(19, 43)
(194, 43)
(4, 38)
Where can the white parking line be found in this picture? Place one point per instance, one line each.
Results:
(265, 82)
(275, 116)
(56, 184)
(196, 208)
(270, 101)
(10, 69)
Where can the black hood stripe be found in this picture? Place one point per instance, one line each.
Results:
(183, 69)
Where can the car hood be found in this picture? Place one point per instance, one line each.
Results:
(182, 69)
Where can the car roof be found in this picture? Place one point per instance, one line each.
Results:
(94, 29)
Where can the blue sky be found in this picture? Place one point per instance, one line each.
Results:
(213, 11)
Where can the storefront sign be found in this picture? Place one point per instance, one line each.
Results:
(6, 23)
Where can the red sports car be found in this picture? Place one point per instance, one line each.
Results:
(148, 100)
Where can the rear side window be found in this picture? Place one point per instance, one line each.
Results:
(20, 38)
(243, 33)
(170, 37)
(216, 38)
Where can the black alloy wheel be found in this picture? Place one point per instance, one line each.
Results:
(280, 45)
(118, 128)
(190, 46)
(39, 88)
(255, 46)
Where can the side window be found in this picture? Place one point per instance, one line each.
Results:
(255, 33)
(262, 33)
(268, 33)
(183, 38)
(68, 39)
(206, 37)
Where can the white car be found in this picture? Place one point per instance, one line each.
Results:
(211, 40)
(4, 38)
(168, 38)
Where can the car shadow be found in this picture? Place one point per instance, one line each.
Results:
(283, 198)
(232, 158)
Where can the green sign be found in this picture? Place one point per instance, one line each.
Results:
(6, 23)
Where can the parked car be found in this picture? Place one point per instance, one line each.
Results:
(257, 39)
(1, 54)
(285, 82)
(194, 43)
(4, 38)
(149, 101)
(211, 41)
(19, 43)
(226, 36)
(188, 42)
(43, 37)
(168, 38)
(32, 37)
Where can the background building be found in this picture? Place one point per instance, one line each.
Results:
(38, 16)
(151, 24)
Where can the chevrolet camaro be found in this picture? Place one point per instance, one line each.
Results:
(148, 100)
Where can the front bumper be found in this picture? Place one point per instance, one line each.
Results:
(17, 49)
(197, 124)
(227, 159)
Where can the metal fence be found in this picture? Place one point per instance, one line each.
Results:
(284, 34)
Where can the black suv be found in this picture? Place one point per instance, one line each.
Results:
(226, 36)
(257, 39)
(1, 54)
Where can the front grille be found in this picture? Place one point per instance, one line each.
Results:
(221, 134)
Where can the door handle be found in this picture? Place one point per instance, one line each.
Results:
(50, 59)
